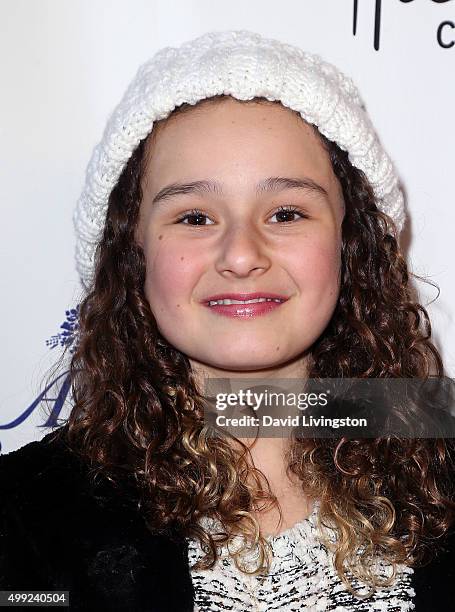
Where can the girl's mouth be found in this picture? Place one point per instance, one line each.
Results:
(248, 308)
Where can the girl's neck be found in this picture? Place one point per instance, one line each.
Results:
(268, 456)
(296, 368)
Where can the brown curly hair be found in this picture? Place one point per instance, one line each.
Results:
(138, 412)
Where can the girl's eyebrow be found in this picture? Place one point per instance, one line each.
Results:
(272, 184)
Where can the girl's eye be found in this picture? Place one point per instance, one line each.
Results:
(284, 214)
(195, 215)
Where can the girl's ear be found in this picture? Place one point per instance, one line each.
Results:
(138, 236)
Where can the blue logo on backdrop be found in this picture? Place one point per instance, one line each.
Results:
(57, 391)
(445, 33)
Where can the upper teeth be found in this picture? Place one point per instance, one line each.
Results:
(256, 300)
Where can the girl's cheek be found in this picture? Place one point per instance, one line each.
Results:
(171, 274)
(318, 261)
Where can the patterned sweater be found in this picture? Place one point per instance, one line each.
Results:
(301, 578)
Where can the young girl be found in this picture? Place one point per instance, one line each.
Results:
(240, 220)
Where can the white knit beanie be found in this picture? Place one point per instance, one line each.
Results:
(244, 65)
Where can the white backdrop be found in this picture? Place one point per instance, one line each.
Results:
(66, 63)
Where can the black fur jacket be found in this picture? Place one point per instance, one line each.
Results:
(59, 531)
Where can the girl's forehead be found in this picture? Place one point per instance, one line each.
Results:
(237, 145)
(219, 107)
(248, 132)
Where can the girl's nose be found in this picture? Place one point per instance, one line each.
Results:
(242, 251)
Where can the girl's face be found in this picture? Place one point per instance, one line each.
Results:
(226, 235)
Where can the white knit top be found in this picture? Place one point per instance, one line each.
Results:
(302, 578)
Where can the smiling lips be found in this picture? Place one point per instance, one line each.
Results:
(244, 304)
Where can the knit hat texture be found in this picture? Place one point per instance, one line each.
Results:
(242, 64)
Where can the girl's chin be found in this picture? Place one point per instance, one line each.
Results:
(247, 364)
